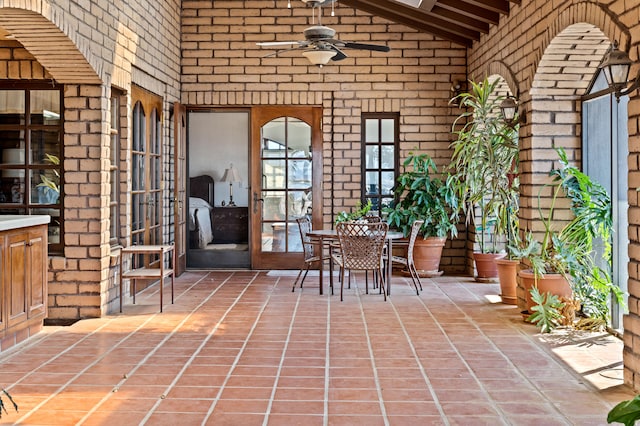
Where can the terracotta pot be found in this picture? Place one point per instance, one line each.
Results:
(427, 253)
(508, 277)
(555, 284)
(486, 264)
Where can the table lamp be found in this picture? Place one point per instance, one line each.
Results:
(231, 175)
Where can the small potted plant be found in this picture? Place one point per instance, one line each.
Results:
(484, 160)
(421, 194)
(562, 259)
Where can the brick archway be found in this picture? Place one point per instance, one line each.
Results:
(66, 60)
(562, 76)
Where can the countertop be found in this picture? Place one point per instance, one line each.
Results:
(13, 221)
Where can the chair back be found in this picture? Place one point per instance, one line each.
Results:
(304, 225)
(362, 244)
(415, 230)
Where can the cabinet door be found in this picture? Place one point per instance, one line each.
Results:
(37, 287)
(16, 274)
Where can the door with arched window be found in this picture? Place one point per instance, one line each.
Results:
(146, 168)
(605, 151)
(286, 176)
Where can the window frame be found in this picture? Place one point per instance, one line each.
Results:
(27, 206)
(115, 140)
(378, 195)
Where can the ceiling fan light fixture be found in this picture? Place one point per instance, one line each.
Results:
(319, 57)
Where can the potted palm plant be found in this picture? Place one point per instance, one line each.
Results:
(563, 260)
(484, 160)
(421, 194)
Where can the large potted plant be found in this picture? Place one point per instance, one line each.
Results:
(567, 254)
(484, 161)
(422, 193)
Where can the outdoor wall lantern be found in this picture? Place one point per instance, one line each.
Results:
(616, 65)
(509, 109)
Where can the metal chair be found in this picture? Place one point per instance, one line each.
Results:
(361, 249)
(309, 248)
(407, 262)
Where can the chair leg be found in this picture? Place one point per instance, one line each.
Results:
(296, 281)
(382, 285)
(366, 281)
(306, 271)
(341, 282)
(415, 276)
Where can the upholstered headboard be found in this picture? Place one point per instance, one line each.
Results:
(202, 187)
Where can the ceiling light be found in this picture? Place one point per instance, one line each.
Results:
(319, 57)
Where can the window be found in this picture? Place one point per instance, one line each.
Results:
(380, 159)
(31, 154)
(114, 168)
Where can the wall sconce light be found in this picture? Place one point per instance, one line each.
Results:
(616, 65)
(231, 175)
(509, 110)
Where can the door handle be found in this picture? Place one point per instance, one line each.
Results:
(255, 202)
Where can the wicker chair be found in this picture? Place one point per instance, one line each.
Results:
(309, 249)
(407, 262)
(361, 249)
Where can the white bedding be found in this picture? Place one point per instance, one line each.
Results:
(200, 219)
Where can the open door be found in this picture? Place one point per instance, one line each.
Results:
(286, 176)
(180, 190)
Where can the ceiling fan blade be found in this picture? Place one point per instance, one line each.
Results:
(362, 46)
(278, 43)
(277, 52)
(339, 54)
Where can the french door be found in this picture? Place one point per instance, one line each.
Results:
(180, 182)
(605, 154)
(286, 179)
(146, 168)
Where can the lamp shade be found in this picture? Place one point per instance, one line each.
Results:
(616, 65)
(319, 56)
(14, 156)
(509, 106)
(231, 175)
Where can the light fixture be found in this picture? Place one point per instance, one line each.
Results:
(616, 65)
(319, 57)
(231, 175)
(509, 110)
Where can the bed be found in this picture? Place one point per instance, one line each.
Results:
(201, 201)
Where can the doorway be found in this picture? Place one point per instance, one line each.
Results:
(218, 165)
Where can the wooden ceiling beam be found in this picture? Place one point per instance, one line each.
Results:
(466, 9)
(416, 19)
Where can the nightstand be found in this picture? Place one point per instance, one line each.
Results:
(230, 225)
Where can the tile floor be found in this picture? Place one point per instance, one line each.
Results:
(239, 348)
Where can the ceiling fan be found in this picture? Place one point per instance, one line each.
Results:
(319, 45)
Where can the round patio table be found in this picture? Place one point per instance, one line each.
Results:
(326, 236)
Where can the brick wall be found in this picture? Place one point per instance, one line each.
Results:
(96, 45)
(222, 66)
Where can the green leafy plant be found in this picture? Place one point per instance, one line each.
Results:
(360, 212)
(570, 250)
(51, 184)
(547, 310)
(3, 405)
(422, 196)
(626, 412)
(484, 164)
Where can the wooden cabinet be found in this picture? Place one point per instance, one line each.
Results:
(230, 225)
(24, 278)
